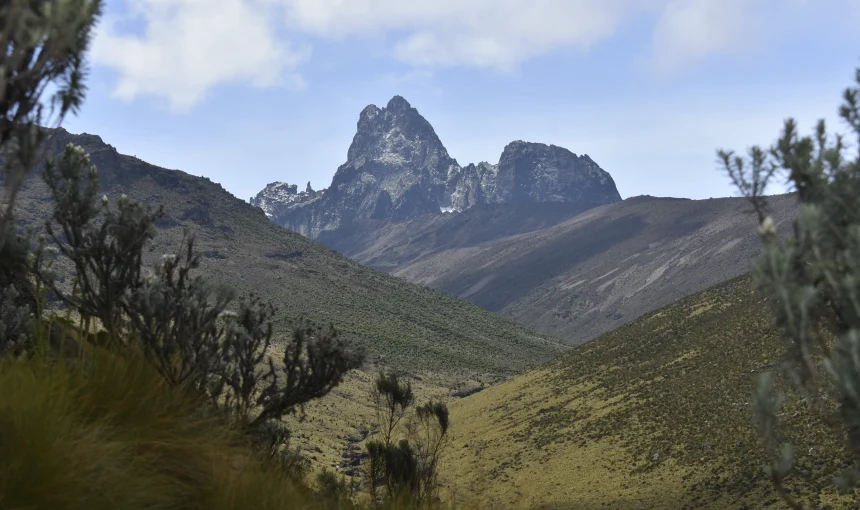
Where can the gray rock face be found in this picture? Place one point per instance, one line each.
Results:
(538, 173)
(278, 198)
(397, 168)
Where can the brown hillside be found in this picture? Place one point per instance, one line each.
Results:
(573, 274)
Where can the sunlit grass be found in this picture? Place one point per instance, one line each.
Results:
(655, 414)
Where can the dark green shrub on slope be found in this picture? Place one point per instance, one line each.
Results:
(407, 468)
(198, 335)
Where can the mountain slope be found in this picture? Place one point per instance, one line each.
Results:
(541, 237)
(571, 273)
(655, 414)
(397, 168)
(401, 325)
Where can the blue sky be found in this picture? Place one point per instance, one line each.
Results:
(247, 92)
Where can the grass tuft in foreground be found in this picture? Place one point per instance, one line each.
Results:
(108, 433)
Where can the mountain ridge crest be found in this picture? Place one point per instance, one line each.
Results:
(397, 168)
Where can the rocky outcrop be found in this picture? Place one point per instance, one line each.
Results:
(278, 198)
(397, 168)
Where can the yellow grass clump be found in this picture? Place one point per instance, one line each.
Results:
(105, 432)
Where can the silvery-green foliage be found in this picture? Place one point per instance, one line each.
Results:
(42, 69)
(174, 315)
(103, 241)
(766, 406)
(812, 275)
(198, 334)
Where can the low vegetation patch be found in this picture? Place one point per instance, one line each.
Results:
(657, 413)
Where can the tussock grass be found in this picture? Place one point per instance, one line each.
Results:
(107, 434)
(104, 431)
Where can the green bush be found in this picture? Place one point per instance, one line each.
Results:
(811, 278)
(407, 468)
(170, 377)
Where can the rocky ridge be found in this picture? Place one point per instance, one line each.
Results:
(279, 194)
(397, 168)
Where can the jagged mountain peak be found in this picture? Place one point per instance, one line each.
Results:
(394, 135)
(279, 195)
(539, 172)
(369, 113)
(398, 168)
(398, 103)
(523, 145)
(397, 129)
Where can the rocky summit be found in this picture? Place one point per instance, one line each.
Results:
(397, 168)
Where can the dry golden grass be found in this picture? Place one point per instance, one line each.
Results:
(105, 432)
(344, 417)
(492, 462)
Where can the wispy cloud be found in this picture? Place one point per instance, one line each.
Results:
(497, 34)
(688, 30)
(187, 47)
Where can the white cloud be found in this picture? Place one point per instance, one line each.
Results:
(496, 34)
(188, 46)
(502, 34)
(688, 30)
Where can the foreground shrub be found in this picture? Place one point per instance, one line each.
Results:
(187, 337)
(42, 67)
(198, 334)
(812, 281)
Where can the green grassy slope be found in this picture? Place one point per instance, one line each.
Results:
(655, 414)
(401, 325)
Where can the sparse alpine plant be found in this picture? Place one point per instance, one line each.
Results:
(811, 277)
(44, 43)
(407, 468)
(200, 336)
